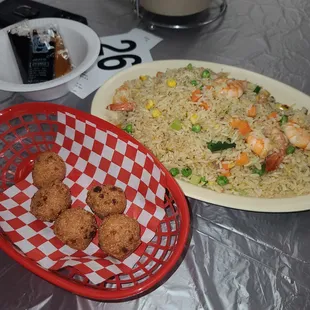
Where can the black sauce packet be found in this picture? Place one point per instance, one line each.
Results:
(42, 56)
(20, 42)
(34, 50)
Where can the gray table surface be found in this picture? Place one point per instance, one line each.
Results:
(236, 259)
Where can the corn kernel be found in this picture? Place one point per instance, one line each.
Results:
(171, 83)
(232, 165)
(143, 77)
(156, 113)
(150, 104)
(194, 118)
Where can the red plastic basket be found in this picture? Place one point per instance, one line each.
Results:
(31, 128)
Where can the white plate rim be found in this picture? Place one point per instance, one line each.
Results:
(93, 47)
(272, 205)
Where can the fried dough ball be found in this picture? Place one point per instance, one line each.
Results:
(76, 228)
(106, 200)
(48, 202)
(47, 168)
(119, 235)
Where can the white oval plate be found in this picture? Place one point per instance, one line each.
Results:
(283, 93)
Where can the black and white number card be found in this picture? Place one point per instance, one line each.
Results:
(117, 53)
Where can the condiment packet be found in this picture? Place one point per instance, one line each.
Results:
(40, 52)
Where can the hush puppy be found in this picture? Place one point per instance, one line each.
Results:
(119, 235)
(76, 228)
(47, 168)
(48, 202)
(106, 200)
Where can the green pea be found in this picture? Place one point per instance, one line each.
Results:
(222, 180)
(189, 67)
(290, 149)
(174, 171)
(206, 74)
(186, 172)
(196, 128)
(194, 82)
(128, 128)
(283, 120)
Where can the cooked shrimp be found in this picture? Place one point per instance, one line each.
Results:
(271, 148)
(298, 136)
(220, 80)
(234, 88)
(122, 100)
(274, 160)
(123, 106)
(259, 146)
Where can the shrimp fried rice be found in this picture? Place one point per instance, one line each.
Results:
(217, 132)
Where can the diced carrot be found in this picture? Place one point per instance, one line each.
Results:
(196, 95)
(208, 87)
(243, 126)
(242, 160)
(252, 111)
(225, 166)
(204, 105)
(235, 122)
(159, 74)
(225, 173)
(272, 115)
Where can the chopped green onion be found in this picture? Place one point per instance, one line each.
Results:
(290, 149)
(222, 180)
(204, 181)
(219, 146)
(174, 171)
(205, 74)
(257, 89)
(283, 120)
(261, 171)
(194, 82)
(189, 67)
(201, 87)
(128, 128)
(186, 172)
(196, 128)
(195, 179)
(176, 124)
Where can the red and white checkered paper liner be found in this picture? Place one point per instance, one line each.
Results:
(92, 156)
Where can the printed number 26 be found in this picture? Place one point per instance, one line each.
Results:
(122, 62)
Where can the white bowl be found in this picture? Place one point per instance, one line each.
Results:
(82, 43)
(283, 93)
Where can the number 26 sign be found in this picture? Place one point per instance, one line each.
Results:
(121, 58)
(116, 53)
